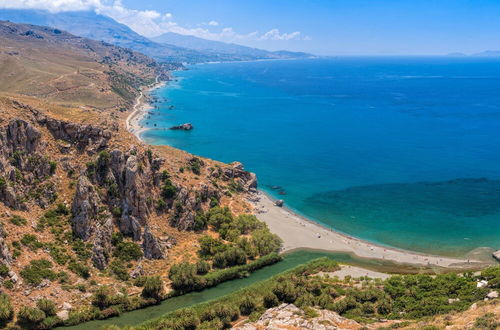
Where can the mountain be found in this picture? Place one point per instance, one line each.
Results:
(212, 46)
(488, 53)
(91, 25)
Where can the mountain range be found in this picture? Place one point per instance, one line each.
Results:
(170, 47)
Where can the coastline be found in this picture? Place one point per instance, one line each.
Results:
(140, 109)
(298, 232)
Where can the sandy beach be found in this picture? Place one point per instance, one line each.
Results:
(140, 109)
(298, 232)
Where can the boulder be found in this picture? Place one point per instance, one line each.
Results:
(496, 255)
(279, 203)
(185, 127)
(492, 295)
(154, 247)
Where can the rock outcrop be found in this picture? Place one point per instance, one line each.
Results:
(5, 256)
(85, 208)
(155, 248)
(185, 127)
(496, 255)
(288, 316)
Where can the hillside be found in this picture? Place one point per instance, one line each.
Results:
(85, 208)
(103, 28)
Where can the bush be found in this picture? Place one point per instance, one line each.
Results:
(153, 288)
(30, 317)
(31, 241)
(492, 275)
(210, 246)
(184, 277)
(128, 251)
(102, 297)
(6, 309)
(265, 241)
(247, 305)
(168, 190)
(118, 269)
(18, 221)
(4, 269)
(47, 306)
(37, 271)
(80, 269)
(270, 300)
(202, 267)
(116, 238)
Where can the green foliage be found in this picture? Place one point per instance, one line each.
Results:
(6, 309)
(80, 269)
(31, 241)
(119, 270)
(18, 221)
(247, 305)
(265, 241)
(184, 277)
(195, 164)
(47, 306)
(4, 269)
(3, 183)
(53, 167)
(102, 297)
(8, 284)
(82, 250)
(492, 275)
(38, 270)
(30, 317)
(128, 251)
(202, 267)
(153, 288)
(487, 322)
(168, 190)
(116, 238)
(210, 246)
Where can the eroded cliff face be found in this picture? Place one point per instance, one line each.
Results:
(110, 184)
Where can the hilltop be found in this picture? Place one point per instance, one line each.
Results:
(170, 47)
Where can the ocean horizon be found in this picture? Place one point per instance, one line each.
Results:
(400, 151)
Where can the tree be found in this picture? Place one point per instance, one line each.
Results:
(184, 276)
(153, 288)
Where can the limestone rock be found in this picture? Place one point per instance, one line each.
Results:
(492, 295)
(185, 127)
(155, 248)
(288, 316)
(101, 250)
(496, 255)
(85, 208)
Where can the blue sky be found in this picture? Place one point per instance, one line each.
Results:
(330, 27)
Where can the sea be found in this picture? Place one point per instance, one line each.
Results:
(401, 151)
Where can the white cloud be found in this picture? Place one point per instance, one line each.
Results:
(149, 23)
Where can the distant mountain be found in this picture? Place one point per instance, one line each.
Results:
(456, 54)
(90, 25)
(488, 53)
(218, 47)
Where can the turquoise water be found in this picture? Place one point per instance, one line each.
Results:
(400, 151)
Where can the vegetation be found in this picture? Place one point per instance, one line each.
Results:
(399, 297)
(18, 221)
(153, 288)
(37, 271)
(6, 309)
(128, 251)
(30, 317)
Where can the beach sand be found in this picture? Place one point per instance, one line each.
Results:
(298, 232)
(140, 109)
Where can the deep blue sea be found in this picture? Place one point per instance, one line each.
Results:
(401, 151)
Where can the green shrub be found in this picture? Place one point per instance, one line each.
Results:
(4, 269)
(31, 241)
(3, 183)
(265, 241)
(128, 251)
(8, 284)
(102, 297)
(153, 288)
(184, 277)
(6, 309)
(53, 167)
(210, 246)
(80, 269)
(202, 267)
(47, 306)
(82, 250)
(168, 190)
(247, 305)
(30, 317)
(492, 275)
(116, 238)
(487, 322)
(119, 270)
(37, 271)
(18, 221)
(270, 300)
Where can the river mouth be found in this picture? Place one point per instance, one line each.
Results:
(290, 260)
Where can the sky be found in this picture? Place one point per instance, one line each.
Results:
(323, 27)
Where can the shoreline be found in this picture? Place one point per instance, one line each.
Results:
(140, 109)
(299, 232)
